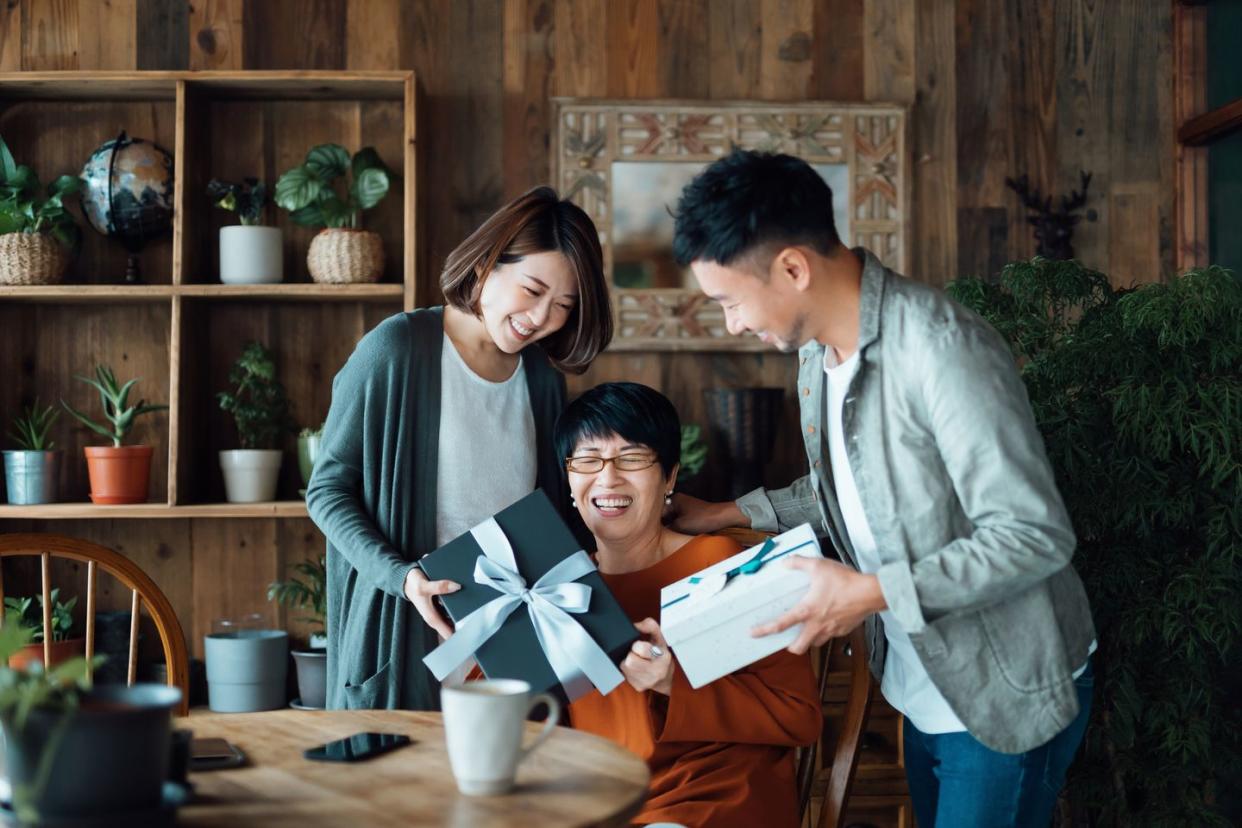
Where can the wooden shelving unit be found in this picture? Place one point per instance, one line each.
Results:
(181, 329)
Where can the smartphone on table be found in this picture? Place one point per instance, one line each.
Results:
(357, 747)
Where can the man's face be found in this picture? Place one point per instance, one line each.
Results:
(767, 309)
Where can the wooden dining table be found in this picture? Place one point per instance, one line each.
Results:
(573, 778)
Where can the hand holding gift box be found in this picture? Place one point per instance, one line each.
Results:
(707, 617)
(532, 605)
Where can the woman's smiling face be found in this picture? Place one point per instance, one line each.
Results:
(625, 498)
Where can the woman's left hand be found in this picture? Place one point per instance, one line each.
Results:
(649, 665)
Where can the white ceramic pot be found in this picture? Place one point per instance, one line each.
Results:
(250, 475)
(250, 255)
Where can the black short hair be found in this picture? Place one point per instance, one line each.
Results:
(629, 410)
(747, 200)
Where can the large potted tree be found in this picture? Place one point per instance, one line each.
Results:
(250, 254)
(30, 470)
(342, 252)
(76, 755)
(118, 473)
(310, 594)
(260, 411)
(38, 236)
(1138, 395)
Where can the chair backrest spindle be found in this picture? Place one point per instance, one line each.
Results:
(47, 607)
(90, 620)
(133, 639)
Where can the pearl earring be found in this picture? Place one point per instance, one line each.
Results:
(573, 503)
(668, 498)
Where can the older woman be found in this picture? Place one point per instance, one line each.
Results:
(722, 755)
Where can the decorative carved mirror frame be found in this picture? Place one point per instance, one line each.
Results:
(589, 136)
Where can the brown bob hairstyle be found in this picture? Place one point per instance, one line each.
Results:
(539, 221)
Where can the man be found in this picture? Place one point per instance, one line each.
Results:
(930, 479)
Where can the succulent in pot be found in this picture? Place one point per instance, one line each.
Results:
(27, 612)
(342, 252)
(250, 253)
(30, 470)
(118, 473)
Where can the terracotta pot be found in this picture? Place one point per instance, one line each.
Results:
(62, 651)
(118, 475)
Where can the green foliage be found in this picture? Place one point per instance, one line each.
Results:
(693, 451)
(22, 691)
(28, 612)
(257, 402)
(23, 210)
(246, 199)
(1139, 397)
(309, 594)
(311, 431)
(309, 194)
(114, 398)
(29, 430)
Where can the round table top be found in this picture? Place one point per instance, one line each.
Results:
(573, 778)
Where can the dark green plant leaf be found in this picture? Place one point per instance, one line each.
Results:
(369, 187)
(297, 188)
(327, 161)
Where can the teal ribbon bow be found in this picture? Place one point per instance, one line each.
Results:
(749, 567)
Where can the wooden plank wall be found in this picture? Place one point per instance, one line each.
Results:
(1043, 87)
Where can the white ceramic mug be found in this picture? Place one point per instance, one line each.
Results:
(483, 724)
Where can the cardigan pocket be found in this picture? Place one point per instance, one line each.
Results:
(364, 695)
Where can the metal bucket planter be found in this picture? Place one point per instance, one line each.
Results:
(246, 670)
(30, 476)
(110, 758)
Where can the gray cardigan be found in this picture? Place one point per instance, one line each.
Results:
(373, 495)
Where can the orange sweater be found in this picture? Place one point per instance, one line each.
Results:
(722, 755)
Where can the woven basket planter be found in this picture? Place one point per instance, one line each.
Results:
(31, 259)
(339, 256)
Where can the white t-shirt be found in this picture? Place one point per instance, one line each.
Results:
(487, 445)
(906, 685)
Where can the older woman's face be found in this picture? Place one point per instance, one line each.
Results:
(620, 500)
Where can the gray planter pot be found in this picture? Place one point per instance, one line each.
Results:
(312, 666)
(246, 670)
(30, 476)
(112, 758)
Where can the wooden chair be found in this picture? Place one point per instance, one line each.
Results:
(144, 590)
(845, 753)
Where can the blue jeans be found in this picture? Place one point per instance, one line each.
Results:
(956, 782)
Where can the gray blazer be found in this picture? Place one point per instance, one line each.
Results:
(973, 536)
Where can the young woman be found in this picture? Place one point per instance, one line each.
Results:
(720, 756)
(440, 418)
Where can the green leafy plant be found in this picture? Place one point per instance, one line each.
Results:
(311, 431)
(308, 593)
(257, 402)
(693, 451)
(29, 430)
(1139, 398)
(23, 691)
(245, 199)
(28, 612)
(312, 197)
(114, 398)
(24, 210)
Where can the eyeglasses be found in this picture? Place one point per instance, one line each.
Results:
(623, 462)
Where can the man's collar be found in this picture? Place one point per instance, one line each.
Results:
(871, 294)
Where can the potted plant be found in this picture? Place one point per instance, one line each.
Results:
(28, 612)
(1136, 394)
(260, 411)
(118, 474)
(341, 252)
(57, 730)
(30, 470)
(37, 234)
(250, 254)
(308, 593)
(308, 451)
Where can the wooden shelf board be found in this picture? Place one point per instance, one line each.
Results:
(76, 511)
(296, 292)
(73, 294)
(260, 85)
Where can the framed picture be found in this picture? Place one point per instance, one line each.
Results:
(626, 162)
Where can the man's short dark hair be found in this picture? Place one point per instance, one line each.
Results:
(638, 414)
(750, 202)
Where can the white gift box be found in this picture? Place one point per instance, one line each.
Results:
(707, 617)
